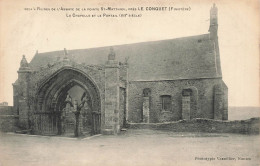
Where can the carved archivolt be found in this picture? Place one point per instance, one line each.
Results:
(52, 91)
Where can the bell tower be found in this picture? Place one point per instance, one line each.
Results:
(213, 28)
(213, 36)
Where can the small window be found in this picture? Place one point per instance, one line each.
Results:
(146, 92)
(166, 102)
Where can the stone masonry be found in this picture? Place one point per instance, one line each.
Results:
(147, 82)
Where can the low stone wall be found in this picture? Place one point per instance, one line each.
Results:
(8, 119)
(250, 126)
(6, 110)
(8, 123)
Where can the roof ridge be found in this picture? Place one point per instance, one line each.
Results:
(117, 45)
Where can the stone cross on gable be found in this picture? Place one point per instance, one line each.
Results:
(65, 52)
(65, 58)
(112, 54)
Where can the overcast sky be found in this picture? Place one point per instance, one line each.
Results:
(24, 32)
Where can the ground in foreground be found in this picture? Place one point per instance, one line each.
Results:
(134, 147)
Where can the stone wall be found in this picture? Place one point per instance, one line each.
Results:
(204, 104)
(45, 89)
(27, 86)
(111, 98)
(8, 119)
(250, 126)
(7, 110)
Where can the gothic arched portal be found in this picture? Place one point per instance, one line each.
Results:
(53, 116)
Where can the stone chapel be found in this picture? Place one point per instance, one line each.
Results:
(148, 82)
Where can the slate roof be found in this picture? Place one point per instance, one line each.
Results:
(180, 58)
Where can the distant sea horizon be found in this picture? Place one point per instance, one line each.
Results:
(243, 112)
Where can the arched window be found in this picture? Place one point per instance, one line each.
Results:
(166, 102)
